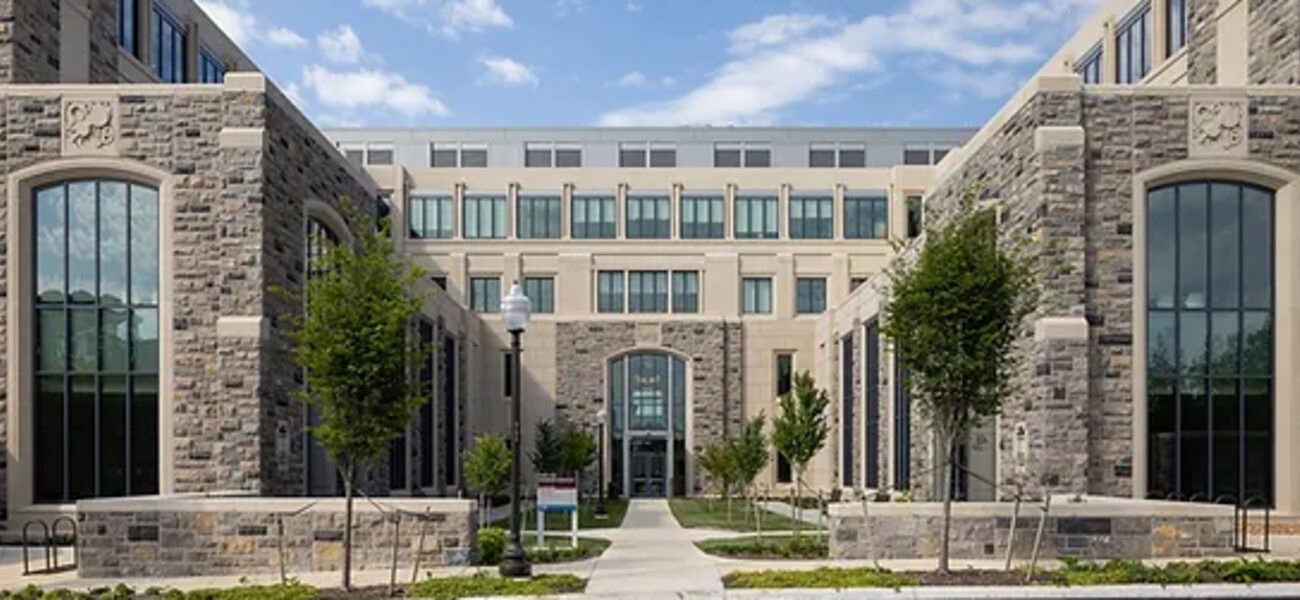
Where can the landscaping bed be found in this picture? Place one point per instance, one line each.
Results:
(439, 588)
(1071, 573)
(615, 508)
(768, 547)
(713, 514)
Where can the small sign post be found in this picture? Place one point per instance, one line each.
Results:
(557, 494)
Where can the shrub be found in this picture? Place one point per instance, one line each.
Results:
(290, 591)
(819, 578)
(767, 547)
(1076, 572)
(490, 545)
(487, 585)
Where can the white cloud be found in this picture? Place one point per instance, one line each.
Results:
(507, 71)
(294, 92)
(283, 36)
(633, 6)
(369, 88)
(667, 81)
(473, 15)
(239, 25)
(564, 8)
(631, 79)
(340, 45)
(782, 60)
(997, 84)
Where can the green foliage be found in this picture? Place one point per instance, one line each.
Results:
(558, 550)
(290, 591)
(1074, 572)
(749, 451)
(785, 547)
(800, 431)
(354, 344)
(490, 546)
(716, 460)
(547, 454)
(695, 513)
(487, 585)
(577, 451)
(819, 578)
(487, 465)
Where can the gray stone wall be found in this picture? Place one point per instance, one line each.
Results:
(103, 41)
(1274, 41)
(1202, 44)
(713, 350)
(170, 540)
(29, 41)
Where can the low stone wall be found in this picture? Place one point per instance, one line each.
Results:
(205, 535)
(1098, 528)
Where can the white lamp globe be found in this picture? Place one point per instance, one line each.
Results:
(516, 309)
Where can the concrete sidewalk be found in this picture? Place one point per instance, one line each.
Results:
(653, 556)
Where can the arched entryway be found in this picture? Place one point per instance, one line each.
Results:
(647, 424)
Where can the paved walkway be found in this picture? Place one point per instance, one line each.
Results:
(652, 555)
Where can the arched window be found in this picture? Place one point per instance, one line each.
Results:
(96, 379)
(647, 401)
(1209, 341)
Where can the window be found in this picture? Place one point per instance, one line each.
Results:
(784, 384)
(507, 373)
(167, 39)
(379, 154)
(427, 389)
(547, 154)
(831, 154)
(539, 217)
(96, 352)
(663, 155)
(871, 389)
(1133, 60)
(856, 283)
(846, 410)
(810, 295)
(647, 395)
(915, 216)
(484, 217)
(431, 217)
(1210, 341)
(609, 292)
(737, 154)
(211, 69)
(126, 13)
(686, 292)
(485, 294)
(649, 217)
(916, 154)
(354, 152)
(902, 429)
(757, 217)
(702, 217)
(647, 291)
(812, 217)
(592, 217)
(541, 291)
(1089, 67)
(440, 281)
(450, 155)
(641, 154)
(756, 295)
(632, 155)
(450, 439)
(1177, 35)
(866, 217)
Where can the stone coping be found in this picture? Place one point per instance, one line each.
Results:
(246, 503)
(1062, 506)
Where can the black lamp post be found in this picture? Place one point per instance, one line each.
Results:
(601, 511)
(515, 312)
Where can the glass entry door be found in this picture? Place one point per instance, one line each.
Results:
(649, 460)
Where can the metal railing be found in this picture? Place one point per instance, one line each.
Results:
(49, 542)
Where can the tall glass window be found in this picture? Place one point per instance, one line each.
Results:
(96, 375)
(915, 216)
(1133, 41)
(686, 291)
(592, 217)
(647, 291)
(167, 37)
(431, 217)
(871, 389)
(812, 217)
(757, 217)
(541, 292)
(485, 294)
(866, 217)
(609, 292)
(784, 384)
(810, 295)
(702, 217)
(484, 217)
(649, 217)
(1177, 35)
(902, 428)
(126, 26)
(647, 428)
(1209, 341)
(1089, 67)
(211, 69)
(847, 422)
(756, 295)
(539, 217)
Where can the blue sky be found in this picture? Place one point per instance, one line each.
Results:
(442, 63)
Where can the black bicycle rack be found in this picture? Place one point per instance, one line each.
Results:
(1241, 524)
(49, 542)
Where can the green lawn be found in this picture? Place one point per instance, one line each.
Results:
(701, 512)
(616, 508)
(818, 578)
(488, 585)
(557, 548)
(810, 545)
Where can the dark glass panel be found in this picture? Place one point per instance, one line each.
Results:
(1225, 341)
(1193, 215)
(50, 439)
(144, 245)
(1161, 248)
(81, 437)
(113, 325)
(1161, 359)
(112, 435)
(52, 345)
(1257, 343)
(1226, 440)
(1257, 402)
(85, 340)
(144, 340)
(112, 242)
(1225, 245)
(144, 435)
(616, 398)
(1257, 248)
(1162, 445)
(51, 250)
(81, 241)
(1192, 343)
(1194, 416)
(679, 400)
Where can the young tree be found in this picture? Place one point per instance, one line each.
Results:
(953, 317)
(577, 452)
(749, 453)
(487, 469)
(717, 459)
(353, 342)
(546, 454)
(800, 431)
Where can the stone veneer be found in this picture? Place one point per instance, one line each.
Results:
(712, 349)
(1094, 529)
(178, 536)
(1274, 42)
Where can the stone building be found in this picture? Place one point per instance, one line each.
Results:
(1151, 166)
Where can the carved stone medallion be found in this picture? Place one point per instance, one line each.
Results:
(1218, 127)
(90, 127)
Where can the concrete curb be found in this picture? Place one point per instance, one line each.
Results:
(1261, 590)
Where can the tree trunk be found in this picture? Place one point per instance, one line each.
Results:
(946, 479)
(798, 502)
(348, 484)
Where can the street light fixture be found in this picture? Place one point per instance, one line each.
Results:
(516, 309)
(601, 511)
